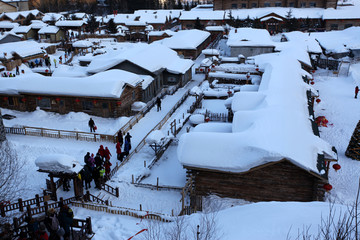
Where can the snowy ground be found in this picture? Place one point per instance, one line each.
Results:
(272, 220)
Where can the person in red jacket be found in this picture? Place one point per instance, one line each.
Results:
(107, 166)
(118, 150)
(101, 152)
(107, 153)
(356, 91)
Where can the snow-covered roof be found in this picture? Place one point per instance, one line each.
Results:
(21, 29)
(79, 15)
(152, 57)
(211, 51)
(339, 41)
(185, 39)
(307, 40)
(49, 30)
(70, 23)
(214, 28)
(58, 163)
(23, 49)
(272, 124)
(5, 34)
(52, 17)
(202, 15)
(271, 17)
(203, 7)
(173, 13)
(246, 37)
(8, 24)
(37, 24)
(82, 44)
(108, 84)
(136, 23)
(160, 33)
(14, 15)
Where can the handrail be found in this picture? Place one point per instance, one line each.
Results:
(21, 204)
(109, 189)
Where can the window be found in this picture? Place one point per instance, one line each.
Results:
(292, 4)
(133, 95)
(334, 27)
(348, 25)
(303, 4)
(87, 105)
(278, 4)
(253, 5)
(105, 106)
(312, 4)
(243, 5)
(11, 101)
(267, 4)
(171, 80)
(234, 6)
(43, 103)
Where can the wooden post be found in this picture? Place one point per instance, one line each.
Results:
(61, 201)
(107, 202)
(182, 200)
(59, 133)
(77, 136)
(94, 137)
(88, 221)
(144, 163)
(132, 179)
(28, 210)
(15, 222)
(42, 132)
(87, 196)
(140, 207)
(117, 191)
(157, 183)
(2, 209)
(172, 212)
(46, 205)
(37, 199)
(21, 207)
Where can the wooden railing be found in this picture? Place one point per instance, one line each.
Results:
(187, 189)
(88, 197)
(196, 104)
(157, 127)
(109, 189)
(20, 204)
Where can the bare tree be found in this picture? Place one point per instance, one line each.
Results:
(154, 230)
(10, 173)
(178, 229)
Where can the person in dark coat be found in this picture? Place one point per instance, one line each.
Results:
(66, 217)
(97, 176)
(158, 104)
(128, 137)
(120, 138)
(92, 125)
(17, 70)
(127, 147)
(32, 226)
(86, 158)
(52, 224)
(91, 162)
(118, 151)
(356, 91)
(98, 160)
(86, 176)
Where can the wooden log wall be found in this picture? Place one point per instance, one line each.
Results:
(281, 181)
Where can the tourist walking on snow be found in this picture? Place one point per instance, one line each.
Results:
(55, 62)
(118, 151)
(92, 125)
(120, 138)
(127, 147)
(107, 154)
(17, 70)
(128, 137)
(107, 166)
(356, 91)
(158, 104)
(98, 160)
(101, 152)
(86, 175)
(66, 217)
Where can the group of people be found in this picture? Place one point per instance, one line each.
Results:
(97, 168)
(56, 226)
(126, 141)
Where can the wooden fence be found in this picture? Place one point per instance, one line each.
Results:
(20, 204)
(109, 189)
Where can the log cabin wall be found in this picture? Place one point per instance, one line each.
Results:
(281, 181)
(102, 107)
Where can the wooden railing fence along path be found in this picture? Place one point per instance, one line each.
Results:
(142, 142)
(21, 204)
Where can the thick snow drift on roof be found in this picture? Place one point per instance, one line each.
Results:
(305, 39)
(52, 17)
(59, 163)
(247, 101)
(160, 33)
(82, 44)
(151, 57)
(339, 41)
(202, 15)
(37, 24)
(244, 37)
(21, 29)
(186, 39)
(8, 24)
(107, 84)
(70, 23)
(23, 49)
(276, 128)
(48, 30)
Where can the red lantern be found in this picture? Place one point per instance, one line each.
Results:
(207, 119)
(23, 99)
(257, 69)
(318, 100)
(46, 71)
(336, 167)
(208, 69)
(229, 92)
(118, 103)
(312, 83)
(5, 98)
(94, 102)
(313, 71)
(201, 70)
(327, 187)
(39, 98)
(213, 65)
(57, 99)
(77, 100)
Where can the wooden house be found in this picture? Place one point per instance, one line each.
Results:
(271, 152)
(107, 94)
(21, 17)
(74, 25)
(26, 31)
(158, 35)
(6, 26)
(272, 22)
(188, 43)
(9, 37)
(188, 19)
(6, 7)
(51, 34)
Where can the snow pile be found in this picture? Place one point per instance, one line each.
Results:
(196, 119)
(82, 44)
(48, 30)
(268, 125)
(213, 127)
(155, 137)
(304, 40)
(137, 106)
(249, 37)
(59, 163)
(23, 49)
